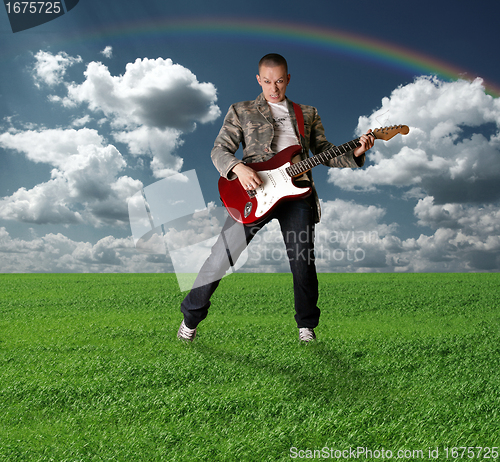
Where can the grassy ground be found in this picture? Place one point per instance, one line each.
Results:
(90, 369)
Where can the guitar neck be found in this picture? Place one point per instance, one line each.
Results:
(307, 164)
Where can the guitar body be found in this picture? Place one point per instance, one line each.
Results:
(249, 207)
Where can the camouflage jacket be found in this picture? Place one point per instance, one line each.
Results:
(249, 123)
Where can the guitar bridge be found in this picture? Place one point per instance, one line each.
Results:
(252, 193)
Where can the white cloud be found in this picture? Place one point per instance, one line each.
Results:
(58, 253)
(43, 204)
(50, 146)
(81, 121)
(107, 52)
(154, 93)
(85, 186)
(449, 162)
(163, 143)
(354, 238)
(451, 150)
(50, 69)
(477, 228)
(150, 106)
(351, 237)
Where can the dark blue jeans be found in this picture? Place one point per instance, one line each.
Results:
(296, 220)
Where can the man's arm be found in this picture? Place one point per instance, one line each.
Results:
(226, 144)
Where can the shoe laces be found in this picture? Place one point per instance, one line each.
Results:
(306, 334)
(185, 332)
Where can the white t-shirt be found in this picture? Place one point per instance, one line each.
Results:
(284, 133)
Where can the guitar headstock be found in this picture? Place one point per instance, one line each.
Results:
(387, 133)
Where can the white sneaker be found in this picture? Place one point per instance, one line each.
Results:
(306, 334)
(185, 333)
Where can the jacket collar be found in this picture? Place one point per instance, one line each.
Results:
(263, 107)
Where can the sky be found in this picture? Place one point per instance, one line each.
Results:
(113, 97)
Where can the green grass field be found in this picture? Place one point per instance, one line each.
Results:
(91, 370)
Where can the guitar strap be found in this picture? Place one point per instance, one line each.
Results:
(300, 118)
(300, 122)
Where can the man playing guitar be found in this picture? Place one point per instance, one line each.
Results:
(264, 127)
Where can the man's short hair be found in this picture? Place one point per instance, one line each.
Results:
(273, 60)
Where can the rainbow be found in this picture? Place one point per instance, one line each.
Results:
(331, 40)
(328, 40)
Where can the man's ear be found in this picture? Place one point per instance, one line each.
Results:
(258, 79)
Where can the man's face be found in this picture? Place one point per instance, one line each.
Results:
(273, 81)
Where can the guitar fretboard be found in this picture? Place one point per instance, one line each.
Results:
(307, 164)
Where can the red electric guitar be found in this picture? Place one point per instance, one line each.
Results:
(277, 175)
